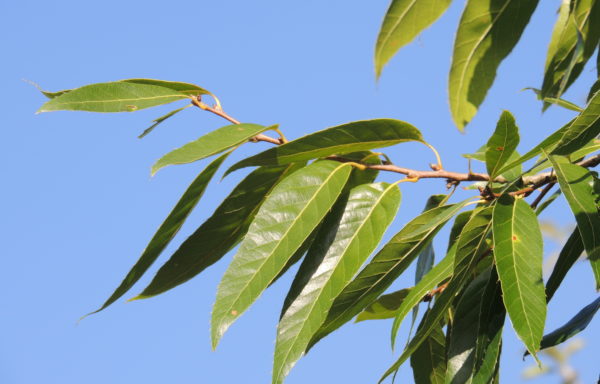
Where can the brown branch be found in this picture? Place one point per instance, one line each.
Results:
(534, 182)
(544, 192)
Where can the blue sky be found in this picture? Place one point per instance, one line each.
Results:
(78, 204)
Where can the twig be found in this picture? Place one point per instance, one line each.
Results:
(539, 197)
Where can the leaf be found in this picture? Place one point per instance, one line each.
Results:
(403, 21)
(569, 254)
(369, 211)
(211, 143)
(428, 362)
(518, 255)
(470, 244)
(168, 229)
(585, 128)
(384, 307)
(288, 216)
(577, 324)
(573, 42)
(576, 183)
(547, 202)
(476, 330)
(487, 33)
(355, 136)
(219, 233)
(117, 96)
(502, 144)
(555, 100)
(160, 120)
(385, 267)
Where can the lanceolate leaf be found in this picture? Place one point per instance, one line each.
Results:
(351, 137)
(470, 247)
(117, 96)
(369, 211)
(477, 323)
(556, 100)
(160, 120)
(219, 233)
(576, 184)
(291, 212)
(585, 128)
(487, 33)
(518, 256)
(428, 362)
(385, 307)
(211, 143)
(577, 324)
(386, 266)
(569, 254)
(404, 20)
(168, 229)
(574, 39)
(502, 144)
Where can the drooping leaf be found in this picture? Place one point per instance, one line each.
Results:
(403, 21)
(219, 233)
(487, 33)
(159, 120)
(288, 216)
(569, 254)
(211, 143)
(502, 144)
(385, 267)
(576, 183)
(385, 307)
(471, 245)
(477, 328)
(574, 39)
(118, 96)
(518, 255)
(577, 324)
(168, 229)
(585, 128)
(351, 137)
(369, 211)
(428, 362)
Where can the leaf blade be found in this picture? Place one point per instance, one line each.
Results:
(502, 144)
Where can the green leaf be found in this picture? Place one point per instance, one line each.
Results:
(576, 183)
(547, 202)
(428, 362)
(385, 307)
(574, 39)
(288, 216)
(476, 331)
(470, 246)
(502, 144)
(211, 143)
(577, 324)
(168, 229)
(117, 96)
(569, 254)
(160, 120)
(518, 255)
(386, 266)
(555, 100)
(351, 137)
(369, 211)
(585, 128)
(403, 21)
(219, 233)
(487, 33)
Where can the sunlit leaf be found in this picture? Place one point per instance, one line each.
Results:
(288, 216)
(576, 183)
(555, 100)
(160, 120)
(502, 144)
(487, 33)
(428, 362)
(351, 137)
(220, 232)
(368, 212)
(385, 307)
(585, 128)
(403, 21)
(518, 255)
